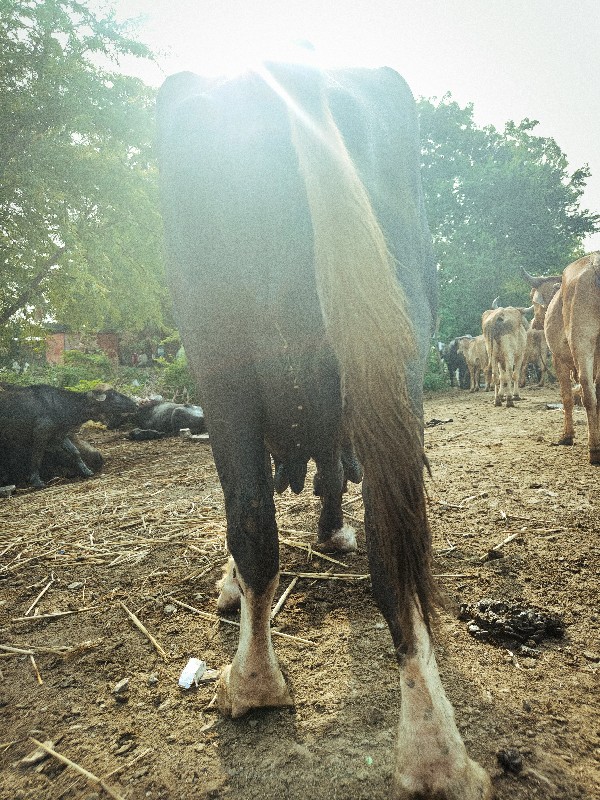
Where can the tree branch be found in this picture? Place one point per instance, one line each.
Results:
(27, 293)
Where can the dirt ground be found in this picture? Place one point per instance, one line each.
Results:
(147, 536)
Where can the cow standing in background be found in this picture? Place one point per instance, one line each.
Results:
(475, 354)
(505, 333)
(456, 364)
(572, 328)
(543, 289)
(292, 203)
(537, 355)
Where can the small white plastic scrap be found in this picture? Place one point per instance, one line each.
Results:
(192, 672)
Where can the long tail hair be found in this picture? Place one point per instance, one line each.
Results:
(365, 312)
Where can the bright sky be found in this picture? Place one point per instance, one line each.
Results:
(511, 58)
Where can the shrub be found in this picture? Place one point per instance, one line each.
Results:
(78, 367)
(176, 381)
(436, 376)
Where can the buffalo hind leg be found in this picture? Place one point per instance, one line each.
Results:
(431, 758)
(431, 761)
(253, 679)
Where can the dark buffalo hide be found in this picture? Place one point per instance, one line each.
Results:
(168, 417)
(40, 419)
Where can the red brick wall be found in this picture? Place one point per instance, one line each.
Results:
(55, 347)
(57, 343)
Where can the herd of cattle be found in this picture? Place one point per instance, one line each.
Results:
(566, 323)
(39, 426)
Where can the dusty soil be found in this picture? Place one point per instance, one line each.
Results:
(147, 534)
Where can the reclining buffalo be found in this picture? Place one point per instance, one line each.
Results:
(157, 418)
(301, 268)
(38, 423)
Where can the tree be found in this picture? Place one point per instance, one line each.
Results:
(496, 201)
(80, 232)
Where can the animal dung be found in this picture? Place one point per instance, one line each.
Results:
(192, 672)
(510, 760)
(498, 621)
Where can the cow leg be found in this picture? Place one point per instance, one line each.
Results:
(515, 378)
(229, 590)
(563, 376)
(590, 402)
(507, 388)
(500, 386)
(333, 535)
(68, 446)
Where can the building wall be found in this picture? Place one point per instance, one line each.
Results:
(55, 347)
(58, 343)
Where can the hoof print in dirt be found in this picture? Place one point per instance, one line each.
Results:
(501, 623)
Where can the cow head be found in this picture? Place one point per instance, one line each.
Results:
(543, 289)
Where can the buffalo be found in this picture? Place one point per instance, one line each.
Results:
(168, 417)
(301, 268)
(39, 420)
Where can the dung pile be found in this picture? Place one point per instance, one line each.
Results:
(500, 622)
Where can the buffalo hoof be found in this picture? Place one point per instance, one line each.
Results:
(469, 783)
(340, 541)
(238, 694)
(85, 471)
(498, 402)
(510, 402)
(595, 456)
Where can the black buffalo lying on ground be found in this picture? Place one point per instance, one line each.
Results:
(37, 424)
(168, 417)
(72, 458)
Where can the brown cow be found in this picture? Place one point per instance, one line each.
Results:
(505, 333)
(572, 329)
(536, 353)
(475, 354)
(543, 289)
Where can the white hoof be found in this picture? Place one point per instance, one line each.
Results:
(340, 541)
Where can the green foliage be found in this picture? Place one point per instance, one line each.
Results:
(177, 381)
(80, 233)
(81, 371)
(496, 201)
(436, 374)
